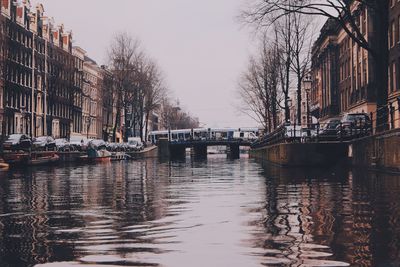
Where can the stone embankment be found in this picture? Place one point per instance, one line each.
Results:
(376, 152)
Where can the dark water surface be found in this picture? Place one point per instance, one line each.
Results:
(216, 212)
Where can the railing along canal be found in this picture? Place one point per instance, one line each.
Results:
(332, 131)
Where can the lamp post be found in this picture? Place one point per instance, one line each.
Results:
(289, 103)
(307, 88)
(308, 106)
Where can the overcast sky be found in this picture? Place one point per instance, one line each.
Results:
(199, 45)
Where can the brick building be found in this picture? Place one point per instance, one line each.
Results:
(90, 99)
(342, 74)
(394, 58)
(39, 72)
(79, 58)
(47, 86)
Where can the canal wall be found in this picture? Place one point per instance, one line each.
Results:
(378, 152)
(302, 154)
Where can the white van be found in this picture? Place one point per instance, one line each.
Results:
(244, 136)
(135, 143)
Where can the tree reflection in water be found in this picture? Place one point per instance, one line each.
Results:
(209, 212)
(332, 214)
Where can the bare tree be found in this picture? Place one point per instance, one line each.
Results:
(123, 52)
(173, 117)
(154, 93)
(301, 52)
(259, 86)
(346, 13)
(283, 43)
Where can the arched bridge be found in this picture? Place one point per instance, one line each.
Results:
(190, 143)
(175, 142)
(199, 147)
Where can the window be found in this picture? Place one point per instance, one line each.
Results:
(398, 29)
(392, 34)
(394, 76)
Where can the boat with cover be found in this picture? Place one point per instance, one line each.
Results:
(97, 152)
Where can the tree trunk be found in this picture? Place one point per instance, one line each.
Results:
(126, 121)
(380, 62)
(141, 121)
(298, 99)
(286, 91)
(147, 124)
(134, 121)
(117, 115)
(274, 111)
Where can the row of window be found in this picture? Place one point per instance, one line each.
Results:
(19, 34)
(60, 110)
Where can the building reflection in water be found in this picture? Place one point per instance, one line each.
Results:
(332, 217)
(213, 212)
(43, 212)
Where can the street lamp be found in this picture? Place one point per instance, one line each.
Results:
(289, 105)
(307, 87)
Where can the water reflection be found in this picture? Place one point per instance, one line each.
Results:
(333, 214)
(209, 212)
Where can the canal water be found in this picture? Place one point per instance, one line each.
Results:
(214, 212)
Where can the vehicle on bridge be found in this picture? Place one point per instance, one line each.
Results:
(154, 136)
(200, 134)
(244, 135)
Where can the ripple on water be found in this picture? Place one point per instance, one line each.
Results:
(215, 212)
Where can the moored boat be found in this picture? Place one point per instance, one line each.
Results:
(100, 155)
(43, 158)
(30, 158)
(4, 165)
(16, 158)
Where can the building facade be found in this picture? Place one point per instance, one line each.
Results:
(79, 58)
(394, 60)
(39, 72)
(90, 98)
(342, 74)
(109, 109)
(49, 87)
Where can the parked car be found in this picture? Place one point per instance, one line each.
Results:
(44, 143)
(353, 125)
(329, 129)
(17, 142)
(63, 145)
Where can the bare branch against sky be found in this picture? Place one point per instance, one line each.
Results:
(198, 44)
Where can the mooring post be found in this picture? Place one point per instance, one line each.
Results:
(163, 148)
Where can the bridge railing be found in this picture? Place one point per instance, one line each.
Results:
(336, 131)
(318, 132)
(210, 139)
